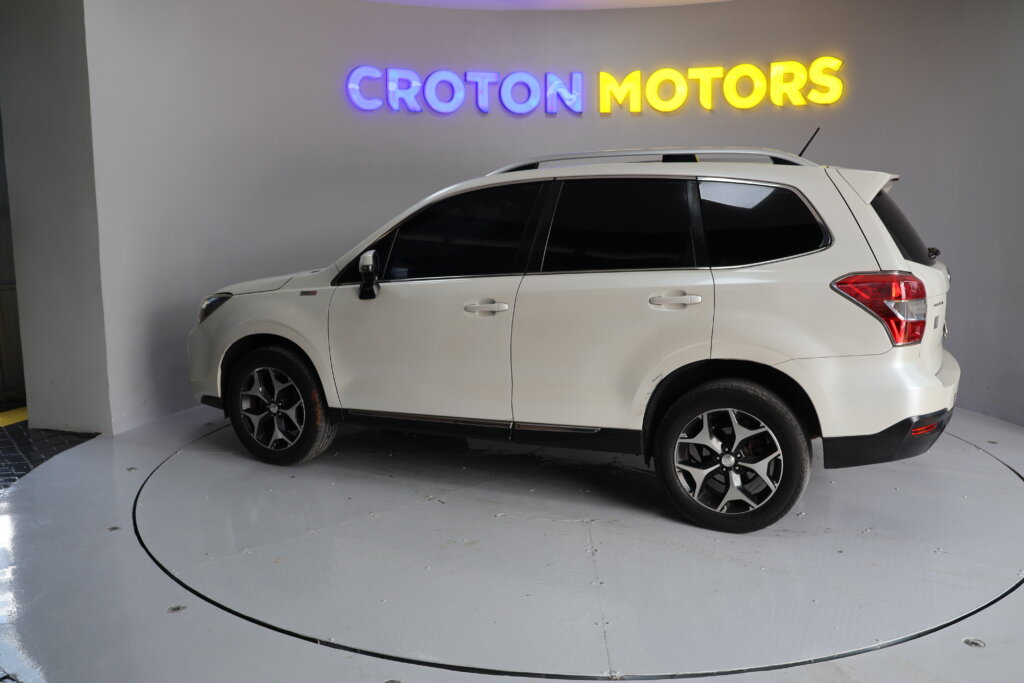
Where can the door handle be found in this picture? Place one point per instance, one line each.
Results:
(496, 307)
(684, 299)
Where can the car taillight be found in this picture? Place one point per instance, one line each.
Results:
(896, 299)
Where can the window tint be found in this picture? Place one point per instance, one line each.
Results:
(620, 224)
(903, 233)
(476, 233)
(350, 273)
(746, 223)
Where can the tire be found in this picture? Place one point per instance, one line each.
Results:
(712, 483)
(277, 407)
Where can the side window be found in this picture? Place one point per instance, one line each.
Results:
(748, 223)
(620, 224)
(350, 274)
(475, 233)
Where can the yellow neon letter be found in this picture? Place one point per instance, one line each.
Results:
(731, 92)
(820, 75)
(653, 90)
(788, 79)
(609, 88)
(705, 76)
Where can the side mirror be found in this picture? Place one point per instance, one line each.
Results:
(368, 287)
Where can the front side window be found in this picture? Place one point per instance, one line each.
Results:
(748, 223)
(620, 224)
(474, 233)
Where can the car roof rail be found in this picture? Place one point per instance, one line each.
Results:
(667, 154)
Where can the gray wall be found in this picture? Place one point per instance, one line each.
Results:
(44, 101)
(225, 150)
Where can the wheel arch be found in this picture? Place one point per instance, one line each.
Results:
(681, 380)
(243, 345)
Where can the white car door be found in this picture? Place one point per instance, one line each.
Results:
(435, 340)
(616, 304)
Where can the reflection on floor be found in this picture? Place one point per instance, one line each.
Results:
(23, 448)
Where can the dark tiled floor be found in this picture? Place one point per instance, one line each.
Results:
(22, 449)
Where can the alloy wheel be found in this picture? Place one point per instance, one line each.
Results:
(728, 461)
(272, 409)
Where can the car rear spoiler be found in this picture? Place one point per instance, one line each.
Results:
(868, 184)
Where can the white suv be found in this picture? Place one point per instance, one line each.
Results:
(695, 306)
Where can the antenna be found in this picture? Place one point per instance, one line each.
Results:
(809, 141)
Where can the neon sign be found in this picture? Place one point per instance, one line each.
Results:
(743, 86)
(666, 90)
(445, 91)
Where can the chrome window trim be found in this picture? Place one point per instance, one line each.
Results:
(449, 277)
(617, 270)
(552, 272)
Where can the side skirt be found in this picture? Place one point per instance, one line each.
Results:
(559, 436)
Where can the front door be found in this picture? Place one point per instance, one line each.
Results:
(435, 341)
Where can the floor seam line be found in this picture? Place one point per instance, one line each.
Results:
(600, 601)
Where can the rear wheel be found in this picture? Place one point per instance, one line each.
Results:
(277, 407)
(732, 456)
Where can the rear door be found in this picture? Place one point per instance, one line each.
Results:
(616, 303)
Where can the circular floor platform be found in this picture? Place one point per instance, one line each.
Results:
(493, 558)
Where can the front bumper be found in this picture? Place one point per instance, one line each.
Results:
(905, 439)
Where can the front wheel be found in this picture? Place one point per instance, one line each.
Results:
(277, 407)
(732, 456)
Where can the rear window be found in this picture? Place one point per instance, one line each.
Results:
(903, 233)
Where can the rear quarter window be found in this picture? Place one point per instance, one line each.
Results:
(746, 223)
(901, 229)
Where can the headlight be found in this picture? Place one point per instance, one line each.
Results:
(211, 304)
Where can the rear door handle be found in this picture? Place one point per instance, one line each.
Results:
(685, 299)
(496, 307)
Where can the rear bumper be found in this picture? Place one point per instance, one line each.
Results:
(856, 396)
(905, 439)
